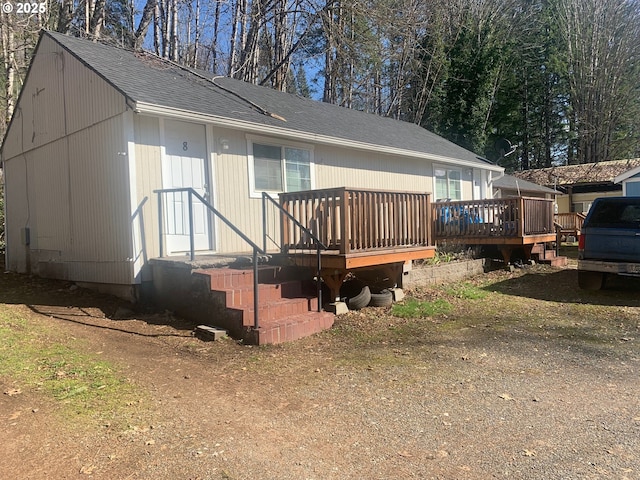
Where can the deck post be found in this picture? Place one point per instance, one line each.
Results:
(345, 247)
(521, 230)
(284, 223)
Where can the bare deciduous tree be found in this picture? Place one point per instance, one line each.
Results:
(603, 46)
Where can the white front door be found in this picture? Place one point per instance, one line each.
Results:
(184, 165)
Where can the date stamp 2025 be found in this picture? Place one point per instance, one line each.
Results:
(24, 8)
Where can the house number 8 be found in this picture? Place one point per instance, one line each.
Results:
(185, 146)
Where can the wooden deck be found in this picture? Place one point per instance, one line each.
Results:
(351, 220)
(332, 259)
(508, 223)
(569, 223)
(360, 228)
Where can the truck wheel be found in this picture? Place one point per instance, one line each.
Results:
(590, 280)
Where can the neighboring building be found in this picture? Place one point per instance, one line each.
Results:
(510, 186)
(579, 185)
(630, 181)
(97, 129)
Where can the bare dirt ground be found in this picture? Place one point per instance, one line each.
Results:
(537, 380)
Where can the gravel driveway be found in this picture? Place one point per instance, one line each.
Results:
(536, 380)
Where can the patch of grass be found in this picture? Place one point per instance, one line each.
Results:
(412, 308)
(466, 291)
(38, 359)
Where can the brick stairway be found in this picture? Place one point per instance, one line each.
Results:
(286, 311)
(547, 256)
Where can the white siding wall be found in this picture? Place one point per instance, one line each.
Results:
(39, 117)
(67, 174)
(148, 179)
(334, 167)
(72, 195)
(349, 168)
(61, 97)
(17, 214)
(231, 192)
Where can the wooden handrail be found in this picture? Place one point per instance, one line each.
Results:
(355, 220)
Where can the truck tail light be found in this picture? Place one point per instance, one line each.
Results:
(581, 239)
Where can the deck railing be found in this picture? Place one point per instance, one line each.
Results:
(356, 220)
(502, 217)
(570, 222)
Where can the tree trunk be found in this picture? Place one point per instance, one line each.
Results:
(147, 16)
(65, 16)
(9, 57)
(173, 50)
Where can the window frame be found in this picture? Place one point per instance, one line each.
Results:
(251, 139)
(447, 169)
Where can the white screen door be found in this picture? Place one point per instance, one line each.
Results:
(184, 165)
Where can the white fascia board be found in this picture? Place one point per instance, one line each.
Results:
(625, 175)
(151, 109)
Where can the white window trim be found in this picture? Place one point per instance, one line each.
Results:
(446, 168)
(253, 193)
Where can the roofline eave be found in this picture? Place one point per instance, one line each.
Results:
(153, 109)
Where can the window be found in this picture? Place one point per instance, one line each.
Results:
(281, 168)
(580, 207)
(621, 213)
(448, 184)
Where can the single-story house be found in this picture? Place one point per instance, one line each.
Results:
(579, 185)
(97, 130)
(630, 181)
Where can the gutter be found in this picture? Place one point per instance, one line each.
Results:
(155, 110)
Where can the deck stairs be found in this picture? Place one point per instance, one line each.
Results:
(288, 307)
(541, 254)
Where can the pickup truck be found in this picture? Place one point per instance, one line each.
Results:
(609, 242)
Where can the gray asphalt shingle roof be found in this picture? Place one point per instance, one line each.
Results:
(513, 183)
(144, 78)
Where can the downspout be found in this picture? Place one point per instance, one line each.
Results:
(4, 212)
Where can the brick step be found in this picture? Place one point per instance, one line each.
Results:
(548, 255)
(556, 261)
(537, 249)
(277, 309)
(267, 292)
(225, 278)
(290, 328)
(285, 312)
